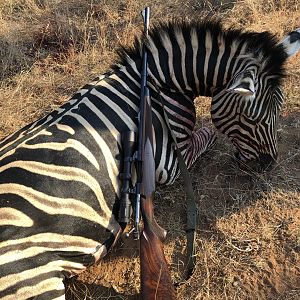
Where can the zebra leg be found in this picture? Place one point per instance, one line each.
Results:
(103, 249)
(201, 140)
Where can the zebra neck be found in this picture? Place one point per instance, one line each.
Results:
(193, 61)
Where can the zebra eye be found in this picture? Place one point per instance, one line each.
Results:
(243, 84)
(244, 92)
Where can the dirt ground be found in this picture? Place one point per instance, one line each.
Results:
(248, 235)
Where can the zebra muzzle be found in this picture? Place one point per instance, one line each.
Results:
(265, 162)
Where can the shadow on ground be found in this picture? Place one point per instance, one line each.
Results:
(78, 290)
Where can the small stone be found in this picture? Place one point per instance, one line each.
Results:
(235, 283)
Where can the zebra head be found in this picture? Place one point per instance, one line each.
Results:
(247, 109)
(241, 71)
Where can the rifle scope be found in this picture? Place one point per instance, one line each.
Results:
(128, 143)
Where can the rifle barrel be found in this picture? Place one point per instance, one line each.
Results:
(141, 130)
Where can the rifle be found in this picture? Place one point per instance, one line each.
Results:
(155, 276)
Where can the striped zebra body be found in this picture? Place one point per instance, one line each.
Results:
(59, 182)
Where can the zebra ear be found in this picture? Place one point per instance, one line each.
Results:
(291, 42)
(242, 85)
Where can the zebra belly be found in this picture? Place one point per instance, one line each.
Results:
(54, 220)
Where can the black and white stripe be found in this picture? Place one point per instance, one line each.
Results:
(242, 73)
(59, 182)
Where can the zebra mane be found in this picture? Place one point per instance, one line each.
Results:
(260, 45)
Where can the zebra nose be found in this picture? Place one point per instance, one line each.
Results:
(266, 162)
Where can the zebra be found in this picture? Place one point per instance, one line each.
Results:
(59, 186)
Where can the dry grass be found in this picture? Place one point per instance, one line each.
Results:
(249, 231)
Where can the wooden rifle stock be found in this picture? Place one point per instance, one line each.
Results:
(156, 281)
